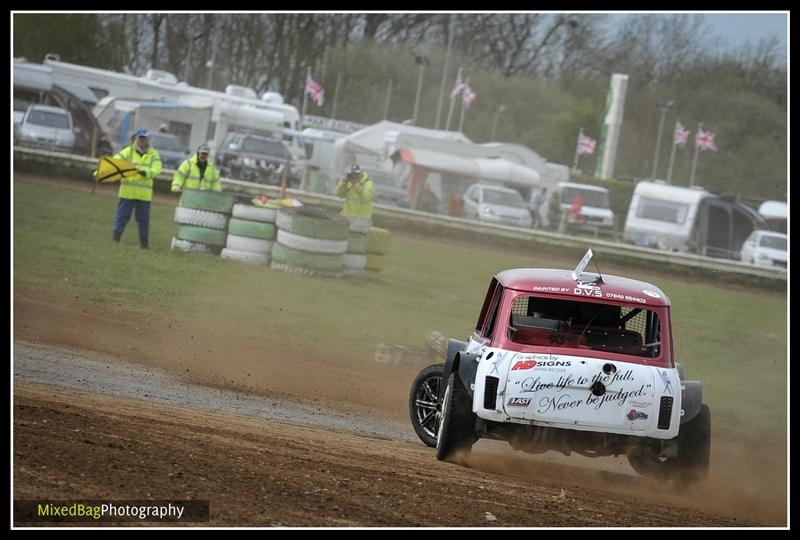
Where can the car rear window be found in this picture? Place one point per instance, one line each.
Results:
(555, 323)
(49, 119)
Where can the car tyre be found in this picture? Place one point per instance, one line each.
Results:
(457, 426)
(694, 449)
(423, 403)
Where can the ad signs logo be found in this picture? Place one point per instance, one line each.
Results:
(518, 402)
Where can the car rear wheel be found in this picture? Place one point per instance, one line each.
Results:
(457, 427)
(423, 403)
(694, 449)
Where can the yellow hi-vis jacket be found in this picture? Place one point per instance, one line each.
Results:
(139, 187)
(188, 176)
(357, 196)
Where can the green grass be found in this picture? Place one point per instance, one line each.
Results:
(732, 338)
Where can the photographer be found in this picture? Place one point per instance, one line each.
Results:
(357, 190)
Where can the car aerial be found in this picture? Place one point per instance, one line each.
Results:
(765, 248)
(496, 204)
(48, 128)
(387, 189)
(595, 211)
(571, 362)
(253, 158)
(172, 151)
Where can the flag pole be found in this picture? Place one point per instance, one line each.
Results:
(672, 154)
(388, 100)
(696, 151)
(463, 108)
(336, 94)
(452, 103)
(577, 147)
(305, 98)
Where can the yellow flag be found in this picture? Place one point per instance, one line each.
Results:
(111, 169)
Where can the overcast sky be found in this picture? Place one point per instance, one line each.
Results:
(736, 29)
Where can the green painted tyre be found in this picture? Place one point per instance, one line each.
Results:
(376, 263)
(252, 229)
(255, 213)
(302, 259)
(313, 223)
(212, 237)
(378, 241)
(357, 243)
(213, 201)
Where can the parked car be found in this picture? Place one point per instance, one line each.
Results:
(496, 204)
(387, 189)
(46, 127)
(595, 209)
(571, 362)
(765, 248)
(173, 152)
(253, 158)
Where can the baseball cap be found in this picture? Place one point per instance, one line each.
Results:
(142, 133)
(203, 149)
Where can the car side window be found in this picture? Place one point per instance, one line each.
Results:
(494, 307)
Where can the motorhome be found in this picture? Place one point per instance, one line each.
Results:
(688, 220)
(34, 85)
(160, 85)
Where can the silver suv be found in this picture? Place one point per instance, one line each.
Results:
(47, 127)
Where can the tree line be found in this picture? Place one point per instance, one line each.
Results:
(539, 77)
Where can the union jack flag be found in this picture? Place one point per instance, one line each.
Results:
(469, 96)
(586, 144)
(457, 88)
(681, 136)
(705, 140)
(315, 91)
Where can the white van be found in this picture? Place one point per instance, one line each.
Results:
(595, 208)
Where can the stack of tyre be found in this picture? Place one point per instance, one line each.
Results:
(378, 243)
(202, 217)
(355, 259)
(251, 234)
(310, 241)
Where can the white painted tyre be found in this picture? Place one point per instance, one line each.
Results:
(251, 245)
(312, 245)
(246, 256)
(255, 213)
(354, 261)
(189, 246)
(200, 218)
(359, 225)
(283, 267)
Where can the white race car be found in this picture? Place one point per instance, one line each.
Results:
(573, 362)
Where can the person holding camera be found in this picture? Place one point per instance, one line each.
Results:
(358, 191)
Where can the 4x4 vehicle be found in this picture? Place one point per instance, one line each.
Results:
(571, 362)
(253, 158)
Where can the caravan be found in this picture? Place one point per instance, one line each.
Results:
(688, 220)
(163, 86)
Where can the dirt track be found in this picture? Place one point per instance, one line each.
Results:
(72, 444)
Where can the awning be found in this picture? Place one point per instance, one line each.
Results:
(439, 162)
(508, 172)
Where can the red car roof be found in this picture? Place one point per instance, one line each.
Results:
(560, 282)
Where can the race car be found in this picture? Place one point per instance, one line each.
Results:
(572, 362)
